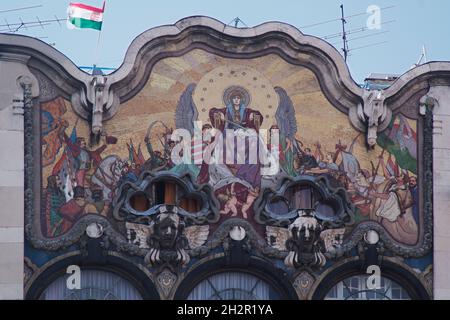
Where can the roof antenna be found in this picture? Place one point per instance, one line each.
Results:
(8, 25)
(423, 57)
(236, 22)
(39, 22)
(22, 24)
(57, 20)
(344, 33)
(22, 8)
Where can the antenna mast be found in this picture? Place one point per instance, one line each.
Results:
(344, 33)
(22, 8)
(236, 22)
(423, 56)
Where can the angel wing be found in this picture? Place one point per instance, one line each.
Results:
(186, 112)
(138, 234)
(277, 237)
(332, 238)
(285, 115)
(196, 235)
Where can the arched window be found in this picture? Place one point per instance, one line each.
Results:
(355, 288)
(233, 286)
(95, 285)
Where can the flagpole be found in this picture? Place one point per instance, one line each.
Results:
(96, 53)
(97, 47)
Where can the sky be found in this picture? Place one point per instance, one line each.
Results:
(406, 26)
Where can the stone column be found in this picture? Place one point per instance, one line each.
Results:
(13, 70)
(440, 97)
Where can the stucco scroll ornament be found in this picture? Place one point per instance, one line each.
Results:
(96, 102)
(99, 101)
(374, 114)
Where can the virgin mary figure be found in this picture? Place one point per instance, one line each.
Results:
(236, 115)
(235, 120)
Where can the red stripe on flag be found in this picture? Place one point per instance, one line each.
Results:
(84, 6)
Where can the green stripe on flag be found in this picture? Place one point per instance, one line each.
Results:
(404, 159)
(84, 23)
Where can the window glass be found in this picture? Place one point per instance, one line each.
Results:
(233, 286)
(355, 288)
(95, 285)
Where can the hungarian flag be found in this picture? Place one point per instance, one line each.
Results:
(133, 156)
(400, 140)
(131, 152)
(84, 16)
(392, 167)
(140, 156)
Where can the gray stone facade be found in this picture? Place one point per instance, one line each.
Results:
(12, 173)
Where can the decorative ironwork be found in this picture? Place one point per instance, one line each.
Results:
(123, 209)
(334, 197)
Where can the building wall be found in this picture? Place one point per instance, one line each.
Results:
(326, 105)
(441, 143)
(12, 175)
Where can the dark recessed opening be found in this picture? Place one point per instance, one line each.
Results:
(165, 192)
(279, 205)
(302, 197)
(190, 204)
(159, 192)
(139, 202)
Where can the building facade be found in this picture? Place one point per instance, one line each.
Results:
(221, 163)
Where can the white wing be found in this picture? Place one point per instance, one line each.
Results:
(137, 234)
(196, 235)
(332, 238)
(277, 237)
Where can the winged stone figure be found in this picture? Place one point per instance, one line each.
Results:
(305, 240)
(165, 236)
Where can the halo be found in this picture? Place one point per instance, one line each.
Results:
(229, 92)
(215, 87)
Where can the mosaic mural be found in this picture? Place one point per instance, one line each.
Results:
(217, 94)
